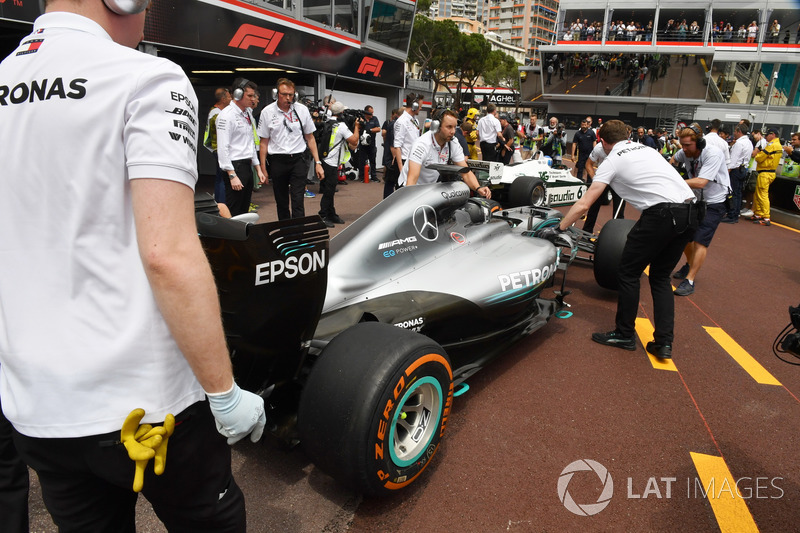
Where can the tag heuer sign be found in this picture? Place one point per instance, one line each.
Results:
(502, 98)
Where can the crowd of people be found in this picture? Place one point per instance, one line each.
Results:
(675, 30)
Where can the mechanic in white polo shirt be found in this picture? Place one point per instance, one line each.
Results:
(406, 132)
(438, 147)
(236, 148)
(596, 157)
(286, 131)
(644, 178)
(108, 301)
(708, 177)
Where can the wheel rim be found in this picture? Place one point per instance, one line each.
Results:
(415, 421)
(538, 196)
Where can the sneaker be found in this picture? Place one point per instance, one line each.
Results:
(746, 213)
(763, 222)
(336, 219)
(727, 220)
(615, 338)
(375, 180)
(309, 194)
(662, 351)
(253, 208)
(685, 288)
(681, 273)
(327, 222)
(754, 218)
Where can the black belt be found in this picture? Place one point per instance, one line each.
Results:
(668, 205)
(298, 155)
(762, 171)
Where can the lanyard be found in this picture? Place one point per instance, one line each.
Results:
(442, 157)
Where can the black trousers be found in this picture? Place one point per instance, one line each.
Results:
(87, 482)
(489, 151)
(239, 201)
(327, 188)
(594, 210)
(13, 483)
(390, 179)
(658, 240)
(738, 177)
(367, 153)
(288, 174)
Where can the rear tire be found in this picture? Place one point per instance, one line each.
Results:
(527, 190)
(375, 407)
(608, 251)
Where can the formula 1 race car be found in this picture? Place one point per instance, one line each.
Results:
(531, 182)
(360, 343)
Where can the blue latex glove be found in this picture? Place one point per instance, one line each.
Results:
(238, 413)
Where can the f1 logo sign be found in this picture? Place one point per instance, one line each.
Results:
(369, 64)
(248, 35)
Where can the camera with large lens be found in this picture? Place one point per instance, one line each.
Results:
(350, 117)
(787, 344)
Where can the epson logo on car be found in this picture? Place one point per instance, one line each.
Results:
(396, 242)
(525, 278)
(290, 267)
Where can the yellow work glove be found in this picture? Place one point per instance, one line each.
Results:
(144, 443)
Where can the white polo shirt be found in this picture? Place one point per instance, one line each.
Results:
(406, 131)
(710, 166)
(82, 341)
(426, 151)
(713, 139)
(235, 139)
(285, 131)
(740, 152)
(488, 127)
(642, 176)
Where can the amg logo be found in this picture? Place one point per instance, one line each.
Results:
(372, 65)
(248, 35)
(290, 267)
(396, 242)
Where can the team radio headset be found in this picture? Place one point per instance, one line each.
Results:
(120, 7)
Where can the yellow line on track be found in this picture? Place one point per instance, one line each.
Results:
(730, 508)
(644, 329)
(785, 227)
(740, 355)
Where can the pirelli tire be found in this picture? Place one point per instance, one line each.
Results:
(527, 190)
(608, 251)
(375, 407)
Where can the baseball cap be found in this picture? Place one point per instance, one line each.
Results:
(772, 131)
(504, 116)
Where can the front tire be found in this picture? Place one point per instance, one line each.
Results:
(608, 251)
(527, 190)
(375, 407)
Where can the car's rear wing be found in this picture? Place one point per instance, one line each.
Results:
(271, 280)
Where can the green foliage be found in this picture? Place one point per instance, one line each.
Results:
(441, 50)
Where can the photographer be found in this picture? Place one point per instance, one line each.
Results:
(506, 140)
(338, 154)
(555, 145)
(438, 147)
(367, 149)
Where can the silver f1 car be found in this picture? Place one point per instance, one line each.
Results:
(358, 345)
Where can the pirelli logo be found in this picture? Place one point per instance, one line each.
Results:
(370, 65)
(248, 35)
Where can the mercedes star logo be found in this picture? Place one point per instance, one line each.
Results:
(425, 223)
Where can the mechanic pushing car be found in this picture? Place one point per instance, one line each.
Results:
(669, 219)
(438, 147)
(110, 312)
